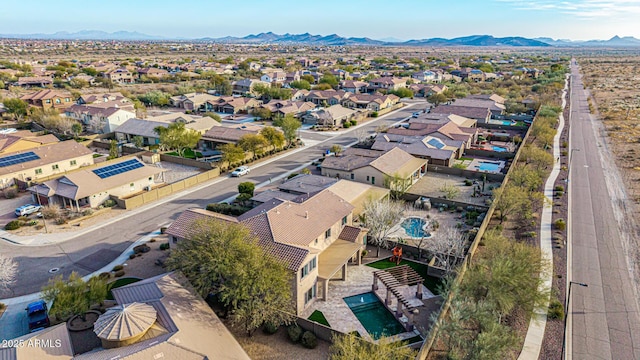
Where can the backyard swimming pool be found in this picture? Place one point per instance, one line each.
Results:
(499, 148)
(414, 227)
(487, 166)
(373, 315)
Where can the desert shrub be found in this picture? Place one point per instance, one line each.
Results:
(105, 275)
(117, 268)
(227, 209)
(374, 114)
(141, 249)
(270, 328)
(295, 332)
(87, 212)
(132, 256)
(31, 223)
(468, 182)
(559, 188)
(23, 218)
(10, 193)
(556, 310)
(13, 225)
(163, 229)
(119, 273)
(164, 246)
(2, 306)
(153, 240)
(60, 221)
(109, 203)
(309, 340)
(564, 144)
(560, 224)
(346, 125)
(51, 211)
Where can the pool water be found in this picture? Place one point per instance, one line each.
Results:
(486, 166)
(413, 227)
(373, 315)
(499, 149)
(507, 122)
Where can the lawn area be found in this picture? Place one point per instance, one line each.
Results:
(118, 283)
(432, 283)
(188, 154)
(466, 159)
(318, 317)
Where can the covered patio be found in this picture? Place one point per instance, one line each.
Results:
(398, 281)
(335, 258)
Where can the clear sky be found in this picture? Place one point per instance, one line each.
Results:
(402, 19)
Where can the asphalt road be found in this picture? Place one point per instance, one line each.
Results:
(89, 252)
(605, 323)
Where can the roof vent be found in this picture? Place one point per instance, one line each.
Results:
(306, 214)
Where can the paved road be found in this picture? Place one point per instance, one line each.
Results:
(97, 248)
(605, 320)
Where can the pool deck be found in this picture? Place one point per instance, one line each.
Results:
(430, 185)
(359, 281)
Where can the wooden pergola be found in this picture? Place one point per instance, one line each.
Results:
(394, 279)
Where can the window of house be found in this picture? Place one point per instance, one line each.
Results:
(310, 294)
(47, 101)
(55, 167)
(38, 171)
(373, 180)
(307, 268)
(72, 162)
(367, 177)
(344, 220)
(353, 176)
(57, 101)
(67, 99)
(327, 234)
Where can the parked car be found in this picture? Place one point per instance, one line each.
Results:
(415, 114)
(28, 209)
(37, 315)
(242, 170)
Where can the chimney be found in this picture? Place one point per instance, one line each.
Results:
(306, 214)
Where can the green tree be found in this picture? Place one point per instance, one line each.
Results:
(322, 86)
(138, 141)
(350, 347)
(232, 153)
(329, 79)
(213, 115)
(246, 187)
(508, 199)
(262, 113)
(437, 99)
(259, 291)
(538, 158)
(450, 191)
(90, 71)
(301, 84)
(73, 296)
(336, 149)
(308, 78)
(253, 143)
(177, 137)
(290, 126)
(16, 107)
(274, 137)
(76, 129)
(397, 184)
(113, 150)
(402, 93)
(155, 98)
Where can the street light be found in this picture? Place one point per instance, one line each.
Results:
(566, 315)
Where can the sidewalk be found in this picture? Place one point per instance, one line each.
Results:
(535, 333)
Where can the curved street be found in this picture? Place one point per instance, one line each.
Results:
(604, 322)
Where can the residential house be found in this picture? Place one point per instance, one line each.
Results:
(233, 104)
(425, 76)
(145, 127)
(245, 87)
(494, 107)
(292, 76)
(469, 73)
(334, 115)
(274, 77)
(284, 107)
(354, 86)
(340, 74)
(431, 118)
(91, 188)
(39, 81)
(313, 236)
(372, 102)
(119, 76)
(443, 130)
(88, 78)
(43, 161)
(153, 72)
(98, 119)
(221, 135)
(106, 100)
(49, 99)
(193, 101)
(435, 150)
(122, 332)
(375, 167)
(326, 97)
(481, 114)
(24, 140)
(425, 90)
(386, 84)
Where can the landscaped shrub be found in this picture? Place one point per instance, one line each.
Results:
(13, 225)
(143, 248)
(31, 223)
(10, 193)
(354, 122)
(560, 224)
(51, 211)
(153, 240)
(346, 125)
(60, 221)
(119, 273)
(270, 328)
(109, 203)
(309, 340)
(295, 332)
(117, 268)
(163, 229)
(105, 275)
(374, 114)
(559, 188)
(87, 212)
(132, 256)
(2, 306)
(556, 310)
(227, 209)
(164, 246)
(468, 182)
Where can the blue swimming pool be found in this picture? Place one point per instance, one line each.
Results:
(487, 166)
(414, 227)
(499, 148)
(507, 122)
(373, 315)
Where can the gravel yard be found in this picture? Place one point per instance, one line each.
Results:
(176, 172)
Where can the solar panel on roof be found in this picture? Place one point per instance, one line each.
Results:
(436, 143)
(18, 159)
(118, 168)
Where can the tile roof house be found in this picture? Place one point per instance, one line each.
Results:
(153, 72)
(284, 107)
(481, 114)
(48, 99)
(386, 83)
(233, 104)
(326, 97)
(334, 115)
(92, 187)
(376, 167)
(436, 151)
(373, 102)
(245, 86)
(24, 140)
(43, 161)
(119, 76)
(444, 131)
(39, 81)
(106, 100)
(144, 127)
(99, 119)
(354, 86)
(308, 234)
(221, 135)
(495, 107)
(274, 77)
(193, 101)
(432, 118)
(166, 299)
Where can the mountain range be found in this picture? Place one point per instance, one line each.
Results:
(337, 40)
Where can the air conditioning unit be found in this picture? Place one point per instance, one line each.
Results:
(147, 188)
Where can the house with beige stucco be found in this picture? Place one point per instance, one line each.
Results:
(376, 167)
(312, 235)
